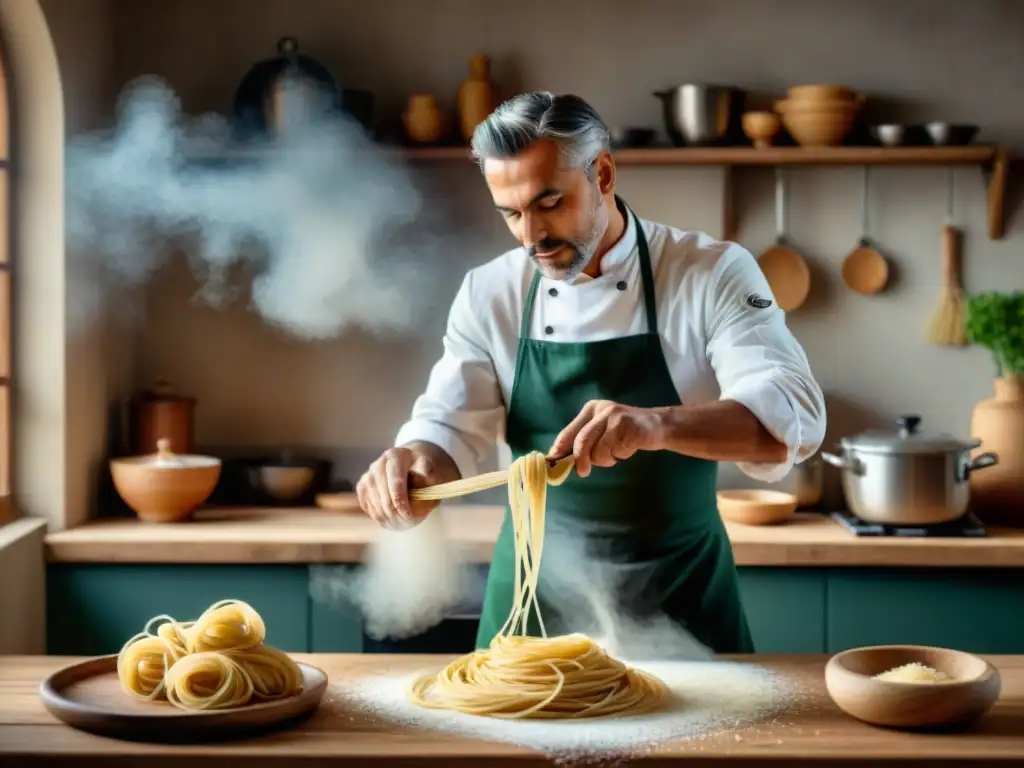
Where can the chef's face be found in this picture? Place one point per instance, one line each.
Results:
(558, 214)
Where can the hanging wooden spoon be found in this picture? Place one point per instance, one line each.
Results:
(785, 269)
(865, 270)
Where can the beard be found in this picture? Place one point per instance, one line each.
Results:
(577, 252)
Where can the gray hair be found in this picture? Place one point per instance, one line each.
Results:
(565, 119)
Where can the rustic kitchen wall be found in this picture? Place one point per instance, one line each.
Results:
(95, 370)
(918, 59)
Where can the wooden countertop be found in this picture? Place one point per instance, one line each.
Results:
(310, 535)
(812, 732)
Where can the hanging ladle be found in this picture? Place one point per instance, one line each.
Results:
(865, 270)
(784, 268)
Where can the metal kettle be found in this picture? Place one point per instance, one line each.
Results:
(280, 94)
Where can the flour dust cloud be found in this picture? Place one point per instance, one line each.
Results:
(409, 581)
(321, 232)
(413, 577)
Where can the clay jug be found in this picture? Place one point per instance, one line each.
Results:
(423, 119)
(475, 95)
(997, 493)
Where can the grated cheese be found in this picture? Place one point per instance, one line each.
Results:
(913, 673)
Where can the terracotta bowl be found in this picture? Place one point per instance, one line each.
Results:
(761, 127)
(165, 487)
(756, 507)
(972, 690)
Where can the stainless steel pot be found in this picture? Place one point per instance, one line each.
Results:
(806, 481)
(903, 477)
(703, 114)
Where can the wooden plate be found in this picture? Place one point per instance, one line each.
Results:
(88, 696)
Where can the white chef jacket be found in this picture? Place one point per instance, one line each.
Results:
(718, 342)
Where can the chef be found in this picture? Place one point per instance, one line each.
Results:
(648, 353)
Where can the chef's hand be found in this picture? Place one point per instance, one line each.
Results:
(605, 432)
(383, 490)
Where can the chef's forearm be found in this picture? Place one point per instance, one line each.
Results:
(721, 431)
(442, 465)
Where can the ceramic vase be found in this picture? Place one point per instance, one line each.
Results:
(997, 492)
(423, 119)
(475, 95)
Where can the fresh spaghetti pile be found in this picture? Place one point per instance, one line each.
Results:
(521, 676)
(218, 661)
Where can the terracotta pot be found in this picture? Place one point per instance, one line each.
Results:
(475, 95)
(424, 122)
(161, 413)
(997, 494)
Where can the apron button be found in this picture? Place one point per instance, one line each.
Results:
(621, 285)
(548, 330)
(552, 291)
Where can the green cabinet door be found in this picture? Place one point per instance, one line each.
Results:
(785, 608)
(974, 610)
(93, 609)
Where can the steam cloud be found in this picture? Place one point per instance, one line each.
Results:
(315, 222)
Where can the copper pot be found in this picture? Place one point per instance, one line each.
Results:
(159, 414)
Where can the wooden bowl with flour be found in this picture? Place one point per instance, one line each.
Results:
(912, 686)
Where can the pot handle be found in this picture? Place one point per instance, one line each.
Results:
(981, 461)
(850, 465)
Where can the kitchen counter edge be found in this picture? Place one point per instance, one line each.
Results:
(313, 535)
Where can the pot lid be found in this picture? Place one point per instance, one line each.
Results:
(163, 392)
(905, 437)
(165, 458)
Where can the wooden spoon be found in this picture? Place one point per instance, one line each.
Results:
(785, 269)
(865, 270)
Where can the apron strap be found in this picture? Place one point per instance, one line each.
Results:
(524, 325)
(647, 275)
(650, 305)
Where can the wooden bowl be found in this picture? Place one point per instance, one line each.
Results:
(973, 689)
(756, 507)
(822, 92)
(165, 487)
(761, 127)
(818, 124)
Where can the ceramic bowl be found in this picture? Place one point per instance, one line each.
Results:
(165, 487)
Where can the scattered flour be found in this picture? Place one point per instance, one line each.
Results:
(712, 697)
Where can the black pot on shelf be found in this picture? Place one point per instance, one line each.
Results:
(276, 93)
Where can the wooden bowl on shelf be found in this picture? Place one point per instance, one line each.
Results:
(165, 487)
(756, 506)
(761, 127)
(822, 92)
(972, 687)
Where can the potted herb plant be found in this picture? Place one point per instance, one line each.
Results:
(995, 321)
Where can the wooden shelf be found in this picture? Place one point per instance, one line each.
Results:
(993, 161)
(748, 156)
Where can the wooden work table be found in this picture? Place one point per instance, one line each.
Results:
(311, 535)
(812, 732)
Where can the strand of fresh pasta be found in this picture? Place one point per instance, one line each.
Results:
(218, 661)
(519, 676)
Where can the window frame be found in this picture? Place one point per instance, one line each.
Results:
(7, 510)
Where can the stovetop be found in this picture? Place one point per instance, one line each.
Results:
(967, 526)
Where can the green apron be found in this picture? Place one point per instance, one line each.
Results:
(654, 517)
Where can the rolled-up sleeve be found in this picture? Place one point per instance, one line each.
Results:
(760, 364)
(461, 409)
